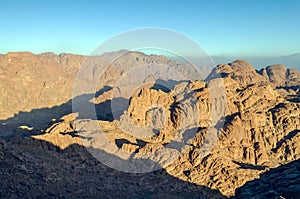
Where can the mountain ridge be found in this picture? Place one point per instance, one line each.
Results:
(260, 130)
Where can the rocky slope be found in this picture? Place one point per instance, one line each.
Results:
(205, 151)
(281, 182)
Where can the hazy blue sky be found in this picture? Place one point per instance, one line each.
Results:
(224, 28)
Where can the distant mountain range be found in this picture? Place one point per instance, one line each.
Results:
(292, 61)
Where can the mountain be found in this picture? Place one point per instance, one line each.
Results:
(31, 81)
(291, 60)
(150, 137)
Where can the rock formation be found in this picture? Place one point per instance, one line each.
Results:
(31, 81)
(257, 132)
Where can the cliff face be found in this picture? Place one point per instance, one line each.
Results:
(31, 81)
(173, 124)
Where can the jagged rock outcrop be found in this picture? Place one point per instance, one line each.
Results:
(280, 76)
(60, 134)
(240, 71)
(259, 122)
